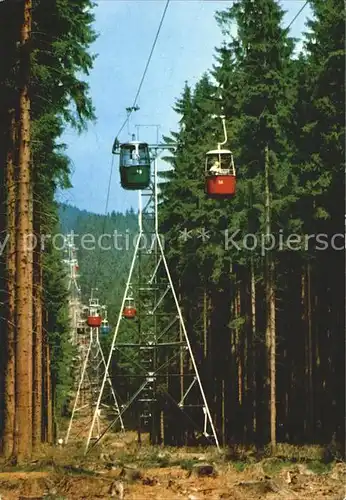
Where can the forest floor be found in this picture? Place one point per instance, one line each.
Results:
(120, 468)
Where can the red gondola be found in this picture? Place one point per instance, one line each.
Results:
(94, 321)
(94, 318)
(220, 176)
(129, 311)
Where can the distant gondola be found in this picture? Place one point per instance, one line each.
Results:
(94, 321)
(104, 328)
(129, 311)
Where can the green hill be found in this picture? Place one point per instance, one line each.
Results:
(104, 252)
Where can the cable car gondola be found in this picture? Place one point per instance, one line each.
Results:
(94, 319)
(134, 165)
(104, 328)
(220, 176)
(81, 327)
(129, 311)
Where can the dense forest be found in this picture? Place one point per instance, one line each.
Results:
(273, 311)
(260, 276)
(44, 52)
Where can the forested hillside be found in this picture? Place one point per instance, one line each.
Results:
(104, 268)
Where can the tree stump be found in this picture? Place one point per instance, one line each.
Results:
(202, 470)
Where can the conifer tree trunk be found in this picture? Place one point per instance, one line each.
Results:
(310, 347)
(252, 327)
(47, 393)
(181, 354)
(10, 354)
(23, 420)
(37, 347)
(223, 415)
(245, 347)
(267, 230)
(270, 305)
(267, 287)
(253, 354)
(238, 349)
(272, 329)
(205, 322)
(306, 305)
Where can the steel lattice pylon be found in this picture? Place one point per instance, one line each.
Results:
(167, 393)
(72, 268)
(92, 370)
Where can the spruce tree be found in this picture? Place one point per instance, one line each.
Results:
(58, 51)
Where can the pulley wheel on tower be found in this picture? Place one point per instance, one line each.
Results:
(134, 165)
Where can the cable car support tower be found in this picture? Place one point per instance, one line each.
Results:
(93, 368)
(71, 264)
(166, 393)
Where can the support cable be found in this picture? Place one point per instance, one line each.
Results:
(130, 110)
(296, 16)
(134, 105)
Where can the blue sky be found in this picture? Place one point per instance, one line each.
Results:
(184, 51)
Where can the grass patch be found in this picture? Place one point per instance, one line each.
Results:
(299, 453)
(41, 466)
(239, 466)
(186, 463)
(71, 470)
(144, 459)
(54, 497)
(164, 461)
(155, 459)
(237, 453)
(319, 467)
(272, 466)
